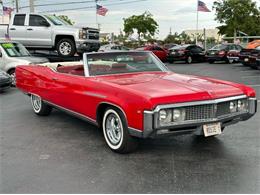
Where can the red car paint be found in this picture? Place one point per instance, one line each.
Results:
(131, 92)
(158, 51)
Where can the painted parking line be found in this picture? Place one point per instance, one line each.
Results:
(257, 85)
(247, 70)
(251, 76)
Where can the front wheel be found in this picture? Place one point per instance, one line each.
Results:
(66, 48)
(115, 132)
(39, 107)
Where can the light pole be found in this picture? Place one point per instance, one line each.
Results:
(31, 6)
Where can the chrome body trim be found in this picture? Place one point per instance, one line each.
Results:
(95, 94)
(195, 103)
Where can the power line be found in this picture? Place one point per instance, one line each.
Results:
(87, 7)
(64, 3)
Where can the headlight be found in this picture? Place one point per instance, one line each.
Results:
(82, 34)
(165, 116)
(242, 105)
(178, 115)
(233, 106)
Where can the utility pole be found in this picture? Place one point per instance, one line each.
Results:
(31, 6)
(17, 6)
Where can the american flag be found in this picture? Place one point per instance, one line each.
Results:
(101, 10)
(202, 7)
(7, 10)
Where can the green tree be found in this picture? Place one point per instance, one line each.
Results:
(237, 15)
(172, 38)
(144, 24)
(66, 19)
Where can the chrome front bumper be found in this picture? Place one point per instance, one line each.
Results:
(153, 129)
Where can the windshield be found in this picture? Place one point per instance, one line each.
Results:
(15, 49)
(56, 20)
(219, 47)
(123, 62)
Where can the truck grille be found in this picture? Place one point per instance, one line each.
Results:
(93, 34)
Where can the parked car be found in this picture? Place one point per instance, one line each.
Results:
(188, 53)
(13, 54)
(228, 53)
(113, 47)
(245, 53)
(253, 44)
(5, 81)
(133, 95)
(254, 58)
(157, 50)
(169, 46)
(40, 31)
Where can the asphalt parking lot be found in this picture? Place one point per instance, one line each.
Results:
(62, 154)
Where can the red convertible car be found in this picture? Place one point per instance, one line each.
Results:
(132, 95)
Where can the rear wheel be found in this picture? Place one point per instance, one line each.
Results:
(115, 132)
(39, 107)
(229, 61)
(189, 60)
(211, 61)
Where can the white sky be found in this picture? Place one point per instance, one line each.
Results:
(176, 14)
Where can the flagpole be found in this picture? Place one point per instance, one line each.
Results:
(96, 14)
(197, 23)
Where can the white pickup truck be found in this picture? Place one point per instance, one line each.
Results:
(38, 31)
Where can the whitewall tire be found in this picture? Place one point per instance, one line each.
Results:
(115, 132)
(39, 107)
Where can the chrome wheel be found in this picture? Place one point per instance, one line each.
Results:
(189, 60)
(36, 103)
(13, 77)
(113, 129)
(65, 48)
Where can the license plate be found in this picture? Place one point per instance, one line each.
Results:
(246, 59)
(212, 129)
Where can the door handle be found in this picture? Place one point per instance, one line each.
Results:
(29, 29)
(55, 79)
(12, 29)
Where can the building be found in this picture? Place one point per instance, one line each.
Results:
(210, 33)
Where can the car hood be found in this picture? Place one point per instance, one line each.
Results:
(172, 88)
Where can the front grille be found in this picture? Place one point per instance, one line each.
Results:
(199, 112)
(223, 109)
(207, 111)
(93, 34)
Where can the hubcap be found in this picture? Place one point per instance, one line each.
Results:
(36, 103)
(13, 77)
(113, 128)
(65, 48)
(189, 59)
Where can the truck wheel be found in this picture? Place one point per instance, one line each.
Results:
(39, 107)
(66, 48)
(115, 131)
(12, 74)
